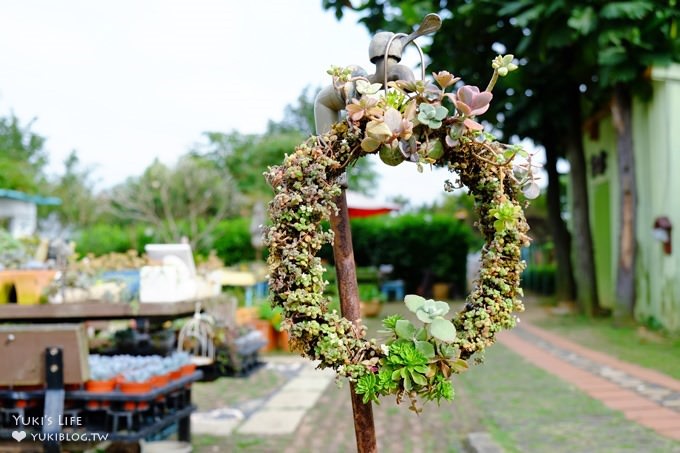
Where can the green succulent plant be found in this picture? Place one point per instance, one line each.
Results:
(432, 312)
(432, 115)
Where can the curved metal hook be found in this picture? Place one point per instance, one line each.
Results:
(430, 24)
(420, 52)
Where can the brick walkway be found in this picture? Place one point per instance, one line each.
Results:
(645, 396)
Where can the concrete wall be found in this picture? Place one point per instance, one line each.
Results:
(656, 136)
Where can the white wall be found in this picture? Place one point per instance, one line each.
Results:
(22, 215)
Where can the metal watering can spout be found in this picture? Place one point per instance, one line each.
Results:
(430, 24)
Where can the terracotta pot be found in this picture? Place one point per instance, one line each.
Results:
(267, 331)
(245, 315)
(370, 309)
(135, 388)
(440, 291)
(282, 339)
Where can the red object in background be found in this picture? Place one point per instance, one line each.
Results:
(359, 205)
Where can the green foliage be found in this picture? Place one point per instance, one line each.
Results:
(103, 238)
(189, 199)
(540, 279)
(12, 252)
(391, 240)
(614, 42)
(418, 360)
(247, 157)
(75, 187)
(272, 314)
(231, 241)
(22, 157)
(432, 312)
(506, 214)
(369, 292)
(432, 116)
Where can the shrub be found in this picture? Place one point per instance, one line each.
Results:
(103, 238)
(420, 247)
(539, 278)
(231, 241)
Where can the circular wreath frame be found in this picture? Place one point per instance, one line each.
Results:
(305, 186)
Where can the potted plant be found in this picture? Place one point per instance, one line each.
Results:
(136, 382)
(269, 324)
(371, 300)
(102, 379)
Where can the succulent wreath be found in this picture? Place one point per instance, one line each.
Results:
(416, 121)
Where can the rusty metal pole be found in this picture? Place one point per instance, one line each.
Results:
(343, 252)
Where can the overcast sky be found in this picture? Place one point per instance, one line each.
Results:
(127, 81)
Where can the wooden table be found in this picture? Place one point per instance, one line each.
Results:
(95, 310)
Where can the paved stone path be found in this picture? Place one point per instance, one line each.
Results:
(645, 396)
(279, 413)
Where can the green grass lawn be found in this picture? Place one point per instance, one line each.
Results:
(629, 343)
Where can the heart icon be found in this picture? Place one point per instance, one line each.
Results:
(19, 435)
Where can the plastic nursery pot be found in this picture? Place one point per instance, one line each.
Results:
(175, 374)
(135, 388)
(187, 369)
(99, 387)
(160, 381)
(27, 403)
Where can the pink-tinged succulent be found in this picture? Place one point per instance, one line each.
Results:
(367, 106)
(445, 79)
(432, 93)
(387, 130)
(470, 102)
(400, 127)
(472, 124)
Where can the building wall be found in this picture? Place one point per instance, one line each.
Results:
(657, 154)
(22, 215)
(656, 137)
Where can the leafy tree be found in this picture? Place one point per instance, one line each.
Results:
(576, 55)
(80, 207)
(22, 157)
(188, 200)
(246, 157)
